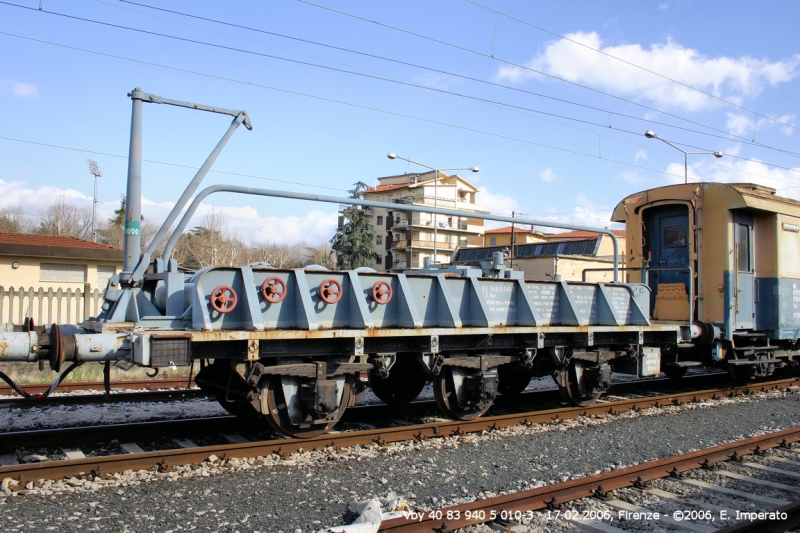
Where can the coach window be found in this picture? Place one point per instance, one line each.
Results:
(743, 248)
(674, 237)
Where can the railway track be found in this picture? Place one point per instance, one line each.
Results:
(140, 390)
(355, 416)
(186, 451)
(704, 471)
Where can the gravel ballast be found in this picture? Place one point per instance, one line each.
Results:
(311, 490)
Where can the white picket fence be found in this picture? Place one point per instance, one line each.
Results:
(49, 306)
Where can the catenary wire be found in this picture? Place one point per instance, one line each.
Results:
(726, 135)
(517, 65)
(612, 56)
(483, 100)
(369, 108)
(119, 156)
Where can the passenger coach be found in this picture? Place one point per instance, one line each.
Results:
(726, 258)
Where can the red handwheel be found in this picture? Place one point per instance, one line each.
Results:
(273, 289)
(330, 291)
(223, 299)
(382, 292)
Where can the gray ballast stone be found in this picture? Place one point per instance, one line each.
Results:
(311, 490)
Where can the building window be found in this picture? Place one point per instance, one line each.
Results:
(378, 260)
(103, 274)
(380, 220)
(61, 273)
(379, 239)
(492, 241)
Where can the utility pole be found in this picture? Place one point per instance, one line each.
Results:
(97, 173)
(511, 263)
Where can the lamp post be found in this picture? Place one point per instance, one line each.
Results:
(435, 194)
(652, 135)
(96, 172)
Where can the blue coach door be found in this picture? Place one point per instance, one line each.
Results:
(743, 271)
(667, 244)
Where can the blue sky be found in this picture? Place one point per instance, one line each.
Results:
(516, 88)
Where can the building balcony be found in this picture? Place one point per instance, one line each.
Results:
(422, 245)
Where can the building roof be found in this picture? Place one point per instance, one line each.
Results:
(381, 188)
(581, 234)
(61, 241)
(35, 245)
(508, 230)
(584, 247)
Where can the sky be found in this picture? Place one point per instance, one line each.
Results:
(550, 99)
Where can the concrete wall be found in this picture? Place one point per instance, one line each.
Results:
(28, 273)
(570, 268)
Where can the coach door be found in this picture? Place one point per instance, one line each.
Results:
(667, 241)
(743, 271)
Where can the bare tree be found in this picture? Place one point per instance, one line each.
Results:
(63, 218)
(14, 220)
(322, 255)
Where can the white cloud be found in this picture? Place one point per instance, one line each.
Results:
(787, 182)
(641, 154)
(313, 227)
(23, 90)
(727, 77)
(499, 204)
(15, 193)
(548, 175)
(664, 6)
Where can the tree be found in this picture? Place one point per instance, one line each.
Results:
(63, 218)
(13, 219)
(353, 239)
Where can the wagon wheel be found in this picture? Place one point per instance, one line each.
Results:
(275, 409)
(451, 398)
(227, 386)
(406, 380)
(674, 372)
(513, 379)
(573, 386)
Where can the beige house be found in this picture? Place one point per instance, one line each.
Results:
(405, 240)
(502, 236)
(52, 261)
(562, 256)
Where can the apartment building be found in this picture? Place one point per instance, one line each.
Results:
(404, 240)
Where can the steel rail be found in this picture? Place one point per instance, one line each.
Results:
(542, 497)
(357, 413)
(134, 384)
(165, 460)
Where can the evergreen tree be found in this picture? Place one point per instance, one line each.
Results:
(353, 240)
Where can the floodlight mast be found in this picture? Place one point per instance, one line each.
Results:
(97, 173)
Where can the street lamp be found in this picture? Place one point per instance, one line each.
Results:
(435, 194)
(96, 172)
(652, 135)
